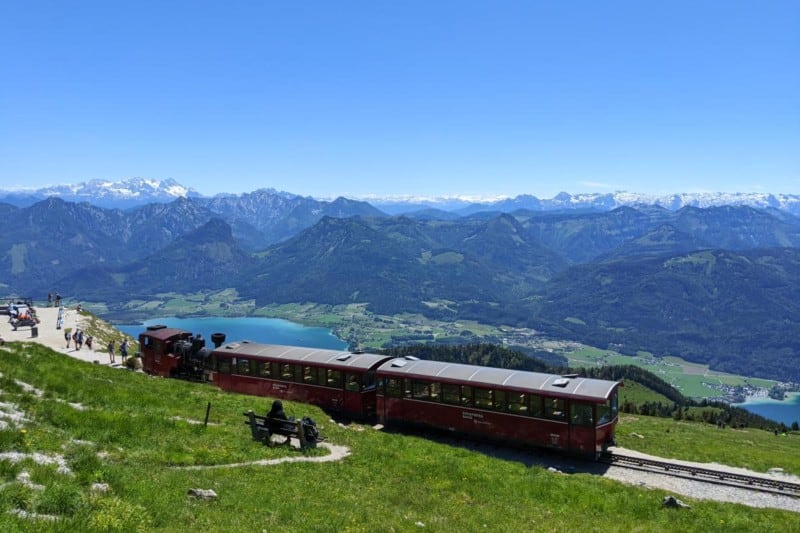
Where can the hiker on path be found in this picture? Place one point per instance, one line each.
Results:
(123, 350)
(67, 337)
(111, 355)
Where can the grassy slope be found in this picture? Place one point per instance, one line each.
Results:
(749, 448)
(638, 394)
(130, 438)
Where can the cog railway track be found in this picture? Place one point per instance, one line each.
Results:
(706, 475)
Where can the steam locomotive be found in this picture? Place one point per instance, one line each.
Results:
(574, 414)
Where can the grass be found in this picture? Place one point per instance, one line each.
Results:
(747, 448)
(132, 432)
(692, 379)
(638, 394)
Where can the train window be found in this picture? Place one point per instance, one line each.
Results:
(606, 412)
(224, 365)
(421, 390)
(580, 414)
(435, 391)
(286, 372)
(369, 380)
(518, 403)
(500, 403)
(334, 378)
(352, 382)
(394, 387)
(466, 396)
(614, 405)
(535, 404)
(483, 398)
(265, 369)
(555, 408)
(309, 375)
(451, 394)
(603, 414)
(243, 367)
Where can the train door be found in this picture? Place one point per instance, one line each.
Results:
(222, 375)
(581, 427)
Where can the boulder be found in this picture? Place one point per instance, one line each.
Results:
(204, 494)
(673, 502)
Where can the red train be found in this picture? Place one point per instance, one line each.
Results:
(574, 414)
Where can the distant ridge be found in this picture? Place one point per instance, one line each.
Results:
(593, 202)
(134, 192)
(122, 194)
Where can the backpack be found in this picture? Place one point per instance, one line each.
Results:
(310, 429)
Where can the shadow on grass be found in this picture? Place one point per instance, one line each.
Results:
(530, 456)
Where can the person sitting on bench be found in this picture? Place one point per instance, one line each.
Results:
(276, 417)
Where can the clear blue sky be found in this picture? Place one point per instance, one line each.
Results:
(423, 97)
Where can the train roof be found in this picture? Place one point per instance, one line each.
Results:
(595, 390)
(164, 333)
(302, 355)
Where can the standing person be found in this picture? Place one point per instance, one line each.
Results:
(89, 340)
(58, 300)
(60, 320)
(67, 337)
(80, 339)
(111, 356)
(123, 350)
(75, 338)
(49, 299)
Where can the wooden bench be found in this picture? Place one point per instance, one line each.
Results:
(262, 429)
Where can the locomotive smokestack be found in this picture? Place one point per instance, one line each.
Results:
(217, 339)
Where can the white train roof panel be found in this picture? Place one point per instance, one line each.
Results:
(596, 390)
(302, 355)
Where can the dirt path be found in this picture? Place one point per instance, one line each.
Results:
(53, 338)
(337, 453)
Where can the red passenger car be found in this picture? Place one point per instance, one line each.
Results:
(510, 406)
(335, 380)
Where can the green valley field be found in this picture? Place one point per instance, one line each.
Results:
(364, 329)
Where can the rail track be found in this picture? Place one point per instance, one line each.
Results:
(706, 475)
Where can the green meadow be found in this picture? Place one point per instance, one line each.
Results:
(692, 379)
(145, 438)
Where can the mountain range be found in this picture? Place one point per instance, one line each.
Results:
(136, 192)
(711, 284)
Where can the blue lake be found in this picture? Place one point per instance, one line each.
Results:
(265, 330)
(786, 411)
